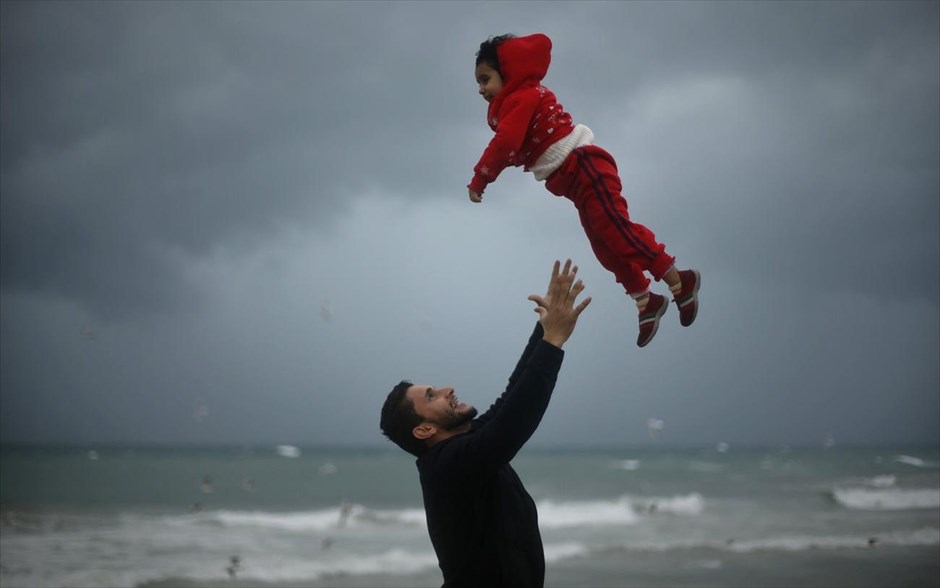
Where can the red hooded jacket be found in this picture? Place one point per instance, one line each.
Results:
(525, 115)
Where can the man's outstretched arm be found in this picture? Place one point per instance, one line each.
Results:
(534, 338)
(537, 335)
(515, 416)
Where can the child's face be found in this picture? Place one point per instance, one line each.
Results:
(489, 80)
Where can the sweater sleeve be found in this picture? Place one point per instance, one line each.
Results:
(534, 338)
(513, 123)
(492, 444)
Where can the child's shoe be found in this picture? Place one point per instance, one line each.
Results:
(649, 318)
(687, 297)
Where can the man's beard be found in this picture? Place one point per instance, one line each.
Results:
(456, 420)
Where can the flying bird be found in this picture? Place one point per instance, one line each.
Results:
(655, 427)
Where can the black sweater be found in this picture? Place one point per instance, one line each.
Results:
(483, 524)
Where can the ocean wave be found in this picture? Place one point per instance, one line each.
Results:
(921, 537)
(625, 464)
(690, 504)
(559, 551)
(706, 467)
(393, 562)
(402, 562)
(556, 515)
(882, 481)
(553, 514)
(915, 461)
(319, 520)
(288, 451)
(887, 498)
(620, 511)
(303, 521)
(924, 537)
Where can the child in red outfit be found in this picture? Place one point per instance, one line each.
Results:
(534, 131)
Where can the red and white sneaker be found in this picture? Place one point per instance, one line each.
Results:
(649, 318)
(687, 298)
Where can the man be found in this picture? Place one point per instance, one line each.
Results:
(482, 522)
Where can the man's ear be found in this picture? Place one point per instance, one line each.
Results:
(424, 431)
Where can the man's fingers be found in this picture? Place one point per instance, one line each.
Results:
(539, 305)
(537, 299)
(569, 275)
(556, 280)
(560, 286)
(563, 273)
(576, 290)
(561, 280)
(584, 304)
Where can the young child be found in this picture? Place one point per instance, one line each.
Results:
(534, 131)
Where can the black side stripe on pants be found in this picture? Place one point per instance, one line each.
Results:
(606, 199)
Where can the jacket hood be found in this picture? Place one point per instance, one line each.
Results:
(524, 59)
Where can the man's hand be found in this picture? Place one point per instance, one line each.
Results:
(475, 196)
(556, 309)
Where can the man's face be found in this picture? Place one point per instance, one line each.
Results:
(489, 80)
(440, 406)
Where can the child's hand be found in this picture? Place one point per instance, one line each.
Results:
(475, 196)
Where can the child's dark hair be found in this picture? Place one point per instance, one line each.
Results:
(487, 52)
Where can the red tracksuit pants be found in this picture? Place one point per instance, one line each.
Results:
(589, 178)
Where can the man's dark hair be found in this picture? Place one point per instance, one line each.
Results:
(399, 419)
(487, 52)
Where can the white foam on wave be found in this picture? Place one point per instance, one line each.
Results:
(691, 504)
(293, 521)
(317, 520)
(924, 537)
(90, 578)
(620, 511)
(882, 481)
(921, 537)
(553, 514)
(393, 562)
(556, 515)
(887, 498)
(558, 551)
(288, 451)
(915, 461)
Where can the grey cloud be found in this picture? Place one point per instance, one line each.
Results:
(135, 132)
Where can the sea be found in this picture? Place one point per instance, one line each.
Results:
(323, 516)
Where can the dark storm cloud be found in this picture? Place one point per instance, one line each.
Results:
(138, 133)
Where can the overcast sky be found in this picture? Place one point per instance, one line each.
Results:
(244, 223)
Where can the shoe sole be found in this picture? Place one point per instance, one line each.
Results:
(659, 315)
(698, 284)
